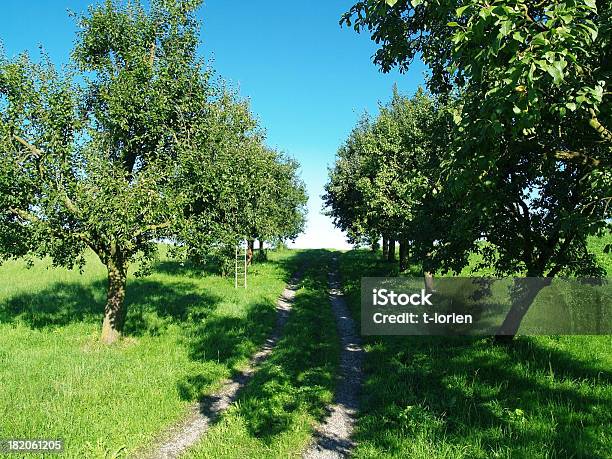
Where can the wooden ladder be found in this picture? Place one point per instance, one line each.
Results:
(240, 277)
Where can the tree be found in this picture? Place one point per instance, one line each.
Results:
(102, 157)
(528, 57)
(279, 198)
(256, 191)
(394, 169)
(344, 199)
(529, 171)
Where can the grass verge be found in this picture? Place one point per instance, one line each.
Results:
(186, 331)
(437, 397)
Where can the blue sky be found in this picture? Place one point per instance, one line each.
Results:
(308, 79)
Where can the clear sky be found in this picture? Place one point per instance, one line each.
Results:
(308, 79)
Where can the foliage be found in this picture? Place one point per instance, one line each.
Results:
(527, 169)
(529, 59)
(135, 143)
(388, 169)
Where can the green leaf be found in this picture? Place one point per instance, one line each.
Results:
(485, 12)
(598, 93)
(506, 28)
(571, 106)
(581, 99)
(518, 37)
(461, 10)
(539, 40)
(453, 24)
(556, 73)
(393, 2)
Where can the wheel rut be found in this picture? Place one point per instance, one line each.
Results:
(332, 438)
(180, 437)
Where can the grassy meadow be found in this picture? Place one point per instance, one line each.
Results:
(275, 413)
(463, 397)
(186, 331)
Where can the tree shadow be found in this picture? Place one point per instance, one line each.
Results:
(152, 305)
(186, 268)
(467, 388)
(466, 396)
(299, 375)
(61, 304)
(228, 340)
(231, 340)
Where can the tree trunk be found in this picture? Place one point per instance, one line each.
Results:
(114, 312)
(524, 292)
(429, 282)
(391, 254)
(403, 255)
(250, 248)
(385, 248)
(262, 252)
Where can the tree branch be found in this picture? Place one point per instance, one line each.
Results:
(38, 153)
(555, 270)
(27, 216)
(24, 215)
(568, 155)
(153, 228)
(603, 132)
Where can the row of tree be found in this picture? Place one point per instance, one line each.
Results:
(508, 156)
(134, 142)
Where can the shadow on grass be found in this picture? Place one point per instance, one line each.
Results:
(299, 376)
(230, 340)
(59, 305)
(152, 305)
(226, 341)
(189, 269)
(464, 396)
(186, 268)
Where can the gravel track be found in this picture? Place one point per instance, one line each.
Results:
(332, 438)
(177, 439)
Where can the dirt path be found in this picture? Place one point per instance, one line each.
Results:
(333, 437)
(176, 440)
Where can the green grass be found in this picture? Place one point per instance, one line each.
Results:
(275, 413)
(186, 330)
(437, 397)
